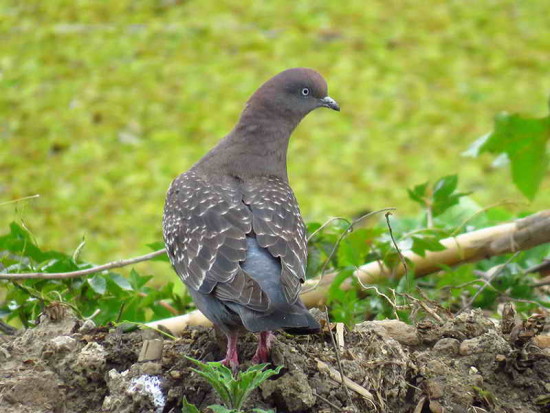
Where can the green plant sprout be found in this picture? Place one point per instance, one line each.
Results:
(232, 390)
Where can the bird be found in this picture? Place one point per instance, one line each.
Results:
(232, 225)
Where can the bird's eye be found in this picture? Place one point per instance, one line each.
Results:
(305, 91)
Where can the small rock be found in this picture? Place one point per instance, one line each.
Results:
(400, 331)
(91, 361)
(436, 407)
(117, 384)
(62, 343)
(434, 389)
(449, 346)
(468, 347)
(490, 342)
(150, 368)
(541, 341)
(151, 350)
(477, 379)
(175, 374)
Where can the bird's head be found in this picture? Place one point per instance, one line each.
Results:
(293, 94)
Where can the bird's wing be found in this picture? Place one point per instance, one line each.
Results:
(204, 228)
(278, 225)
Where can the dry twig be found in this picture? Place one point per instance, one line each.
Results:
(338, 360)
(335, 375)
(81, 273)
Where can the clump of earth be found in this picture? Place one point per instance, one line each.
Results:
(464, 363)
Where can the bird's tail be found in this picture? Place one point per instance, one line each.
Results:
(295, 320)
(312, 326)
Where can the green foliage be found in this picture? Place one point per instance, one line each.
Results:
(524, 141)
(337, 246)
(104, 103)
(188, 407)
(440, 197)
(232, 390)
(116, 297)
(453, 213)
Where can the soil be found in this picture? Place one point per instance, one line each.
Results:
(463, 363)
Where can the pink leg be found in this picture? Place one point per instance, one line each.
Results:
(231, 357)
(264, 347)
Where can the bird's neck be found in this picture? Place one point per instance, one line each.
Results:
(257, 146)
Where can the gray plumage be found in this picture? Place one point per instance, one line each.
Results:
(231, 224)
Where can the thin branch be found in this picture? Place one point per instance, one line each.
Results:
(333, 373)
(403, 261)
(542, 283)
(339, 409)
(81, 273)
(488, 282)
(393, 305)
(338, 360)
(25, 198)
(544, 266)
(326, 224)
(343, 235)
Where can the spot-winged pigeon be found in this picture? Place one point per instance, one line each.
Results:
(232, 226)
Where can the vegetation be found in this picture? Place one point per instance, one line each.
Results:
(233, 390)
(102, 104)
(336, 245)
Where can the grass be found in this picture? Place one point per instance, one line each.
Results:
(103, 103)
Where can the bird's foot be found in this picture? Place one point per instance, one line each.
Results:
(231, 359)
(264, 348)
(231, 362)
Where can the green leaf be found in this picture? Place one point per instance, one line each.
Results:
(121, 281)
(444, 195)
(98, 284)
(334, 291)
(445, 186)
(249, 380)
(354, 248)
(19, 241)
(189, 407)
(217, 375)
(418, 193)
(138, 281)
(217, 408)
(421, 244)
(524, 141)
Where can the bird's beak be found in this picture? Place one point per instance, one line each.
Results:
(330, 103)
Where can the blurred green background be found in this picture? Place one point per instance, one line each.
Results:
(103, 103)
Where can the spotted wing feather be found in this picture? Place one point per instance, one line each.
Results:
(278, 225)
(204, 228)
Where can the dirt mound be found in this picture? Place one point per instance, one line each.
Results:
(460, 364)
